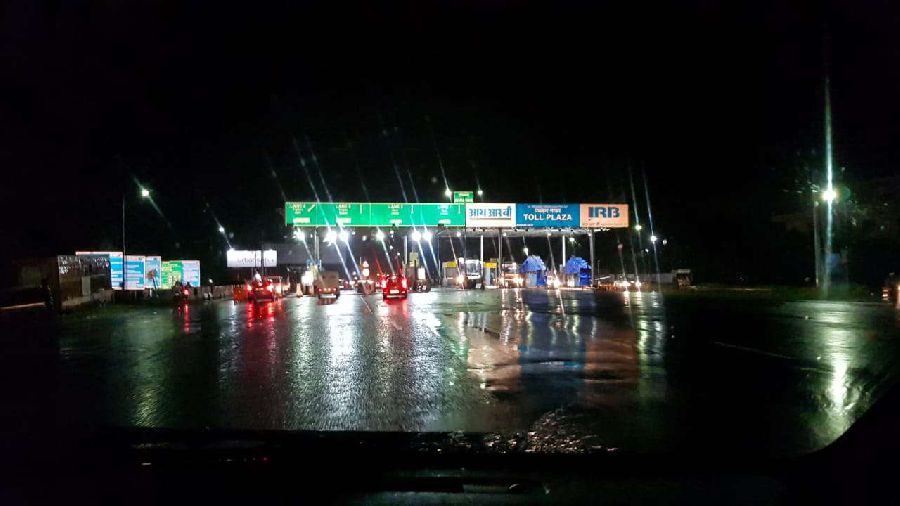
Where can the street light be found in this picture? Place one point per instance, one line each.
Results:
(416, 235)
(638, 227)
(426, 235)
(458, 233)
(379, 235)
(480, 192)
(344, 236)
(145, 194)
(331, 236)
(299, 234)
(221, 229)
(829, 195)
(525, 250)
(571, 239)
(448, 193)
(652, 238)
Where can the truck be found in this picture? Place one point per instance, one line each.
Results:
(327, 285)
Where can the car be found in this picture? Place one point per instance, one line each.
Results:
(395, 285)
(258, 290)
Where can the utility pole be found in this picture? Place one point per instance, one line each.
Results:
(124, 262)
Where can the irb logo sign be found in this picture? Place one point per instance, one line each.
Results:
(604, 215)
(604, 212)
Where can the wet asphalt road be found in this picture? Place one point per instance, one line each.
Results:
(643, 372)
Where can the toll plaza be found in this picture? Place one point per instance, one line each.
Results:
(424, 234)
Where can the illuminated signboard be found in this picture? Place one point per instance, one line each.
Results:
(470, 214)
(464, 197)
(152, 271)
(361, 214)
(251, 258)
(548, 215)
(186, 271)
(191, 270)
(604, 215)
(172, 271)
(491, 215)
(134, 272)
(116, 270)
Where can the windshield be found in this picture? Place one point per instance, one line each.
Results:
(608, 229)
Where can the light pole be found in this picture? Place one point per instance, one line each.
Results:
(145, 194)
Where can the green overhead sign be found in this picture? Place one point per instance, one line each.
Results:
(365, 214)
(465, 197)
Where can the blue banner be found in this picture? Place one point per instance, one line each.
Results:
(134, 272)
(116, 271)
(548, 215)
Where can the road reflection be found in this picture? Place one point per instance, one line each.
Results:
(638, 370)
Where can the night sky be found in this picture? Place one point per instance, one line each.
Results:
(714, 101)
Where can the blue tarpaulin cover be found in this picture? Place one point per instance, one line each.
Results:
(574, 265)
(533, 264)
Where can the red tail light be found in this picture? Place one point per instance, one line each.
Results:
(184, 292)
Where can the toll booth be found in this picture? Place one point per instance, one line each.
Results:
(450, 273)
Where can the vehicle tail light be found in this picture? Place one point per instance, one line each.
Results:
(184, 291)
(269, 288)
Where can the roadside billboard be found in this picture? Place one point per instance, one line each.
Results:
(191, 270)
(152, 271)
(172, 271)
(186, 271)
(116, 269)
(366, 214)
(238, 258)
(548, 215)
(134, 272)
(604, 215)
(491, 215)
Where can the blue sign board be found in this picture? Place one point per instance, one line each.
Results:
(134, 272)
(548, 215)
(116, 272)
